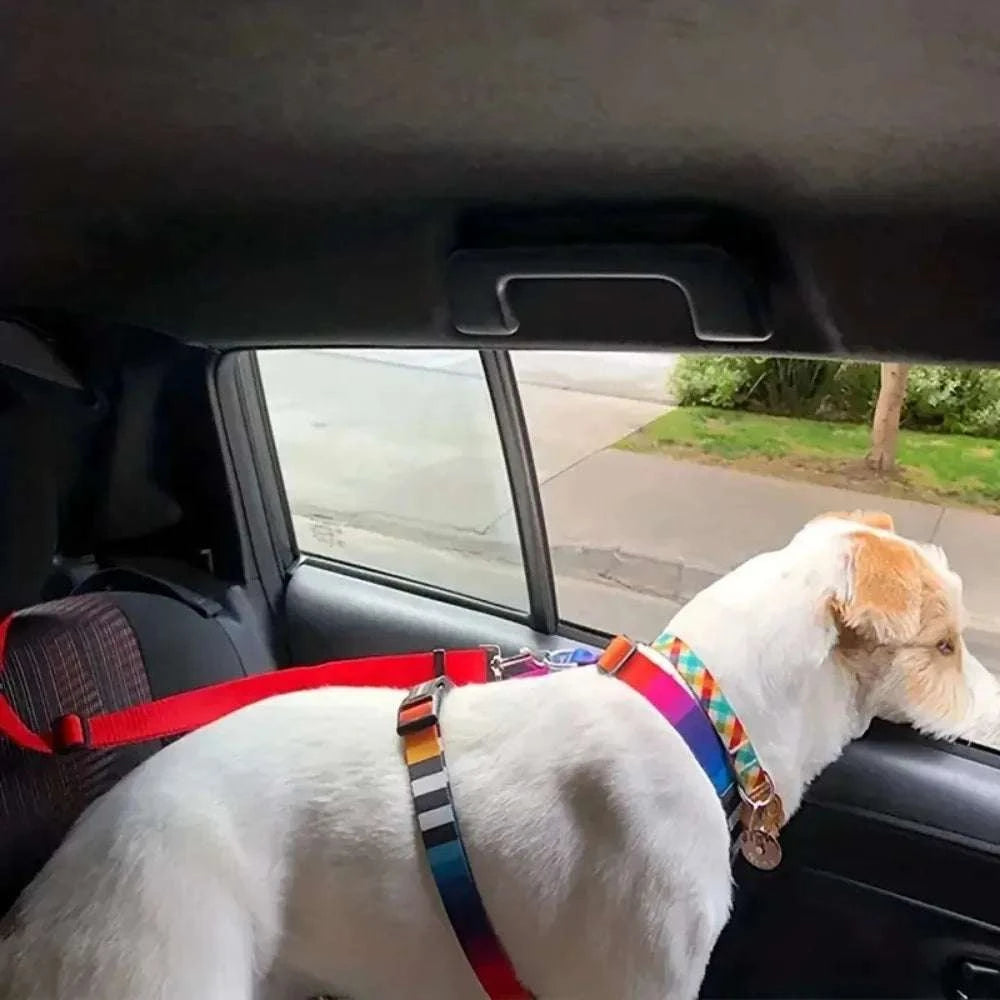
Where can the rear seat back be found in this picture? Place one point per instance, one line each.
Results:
(75, 655)
(90, 654)
(182, 642)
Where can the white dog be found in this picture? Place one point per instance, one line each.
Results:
(274, 853)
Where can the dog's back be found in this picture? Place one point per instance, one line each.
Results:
(282, 839)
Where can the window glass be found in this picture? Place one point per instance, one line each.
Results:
(607, 554)
(647, 501)
(392, 460)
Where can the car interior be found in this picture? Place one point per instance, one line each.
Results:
(188, 185)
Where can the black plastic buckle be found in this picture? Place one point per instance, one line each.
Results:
(422, 706)
(70, 732)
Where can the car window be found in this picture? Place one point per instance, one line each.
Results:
(652, 474)
(607, 554)
(659, 473)
(391, 461)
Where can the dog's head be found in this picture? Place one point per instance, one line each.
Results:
(897, 609)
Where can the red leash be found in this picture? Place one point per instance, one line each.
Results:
(180, 713)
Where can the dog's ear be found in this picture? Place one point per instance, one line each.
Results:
(870, 518)
(884, 590)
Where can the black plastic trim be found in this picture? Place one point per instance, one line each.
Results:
(418, 588)
(527, 498)
(267, 548)
(938, 789)
(270, 481)
(581, 633)
(342, 615)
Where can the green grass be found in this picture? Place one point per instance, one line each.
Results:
(932, 467)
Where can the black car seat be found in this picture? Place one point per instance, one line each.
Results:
(87, 653)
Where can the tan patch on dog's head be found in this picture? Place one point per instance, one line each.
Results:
(870, 518)
(899, 629)
(885, 590)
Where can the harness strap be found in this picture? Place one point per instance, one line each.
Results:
(761, 813)
(423, 750)
(635, 666)
(180, 713)
(715, 707)
(749, 771)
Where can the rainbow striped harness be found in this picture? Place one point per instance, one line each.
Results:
(670, 676)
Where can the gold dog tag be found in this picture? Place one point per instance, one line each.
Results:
(760, 849)
(758, 843)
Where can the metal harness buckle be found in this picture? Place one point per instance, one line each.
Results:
(500, 664)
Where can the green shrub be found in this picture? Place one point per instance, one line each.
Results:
(953, 400)
(791, 387)
(853, 394)
(797, 388)
(947, 399)
(708, 380)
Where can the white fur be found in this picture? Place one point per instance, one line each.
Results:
(274, 854)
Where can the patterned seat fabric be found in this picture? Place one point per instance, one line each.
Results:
(78, 654)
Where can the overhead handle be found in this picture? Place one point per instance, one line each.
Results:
(722, 301)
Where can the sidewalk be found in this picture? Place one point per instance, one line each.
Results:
(654, 531)
(671, 527)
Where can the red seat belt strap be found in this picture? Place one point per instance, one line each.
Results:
(180, 713)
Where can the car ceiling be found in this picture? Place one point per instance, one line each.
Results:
(264, 172)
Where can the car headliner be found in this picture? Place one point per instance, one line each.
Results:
(272, 171)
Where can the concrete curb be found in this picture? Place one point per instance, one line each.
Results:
(673, 580)
(669, 579)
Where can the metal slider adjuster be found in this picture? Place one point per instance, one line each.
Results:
(421, 707)
(502, 667)
(494, 661)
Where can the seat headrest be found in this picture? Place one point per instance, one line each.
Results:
(31, 457)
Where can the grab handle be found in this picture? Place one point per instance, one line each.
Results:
(722, 301)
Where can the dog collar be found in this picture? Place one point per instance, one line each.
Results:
(692, 701)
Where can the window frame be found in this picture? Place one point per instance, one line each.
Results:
(525, 493)
(257, 472)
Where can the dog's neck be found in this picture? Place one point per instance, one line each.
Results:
(765, 633)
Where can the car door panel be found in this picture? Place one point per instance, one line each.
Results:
(334, 615)
(813, 934)
(888, 883)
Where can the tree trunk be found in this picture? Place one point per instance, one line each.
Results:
(885, 424)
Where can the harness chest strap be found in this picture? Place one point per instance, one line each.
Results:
(423, 750)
